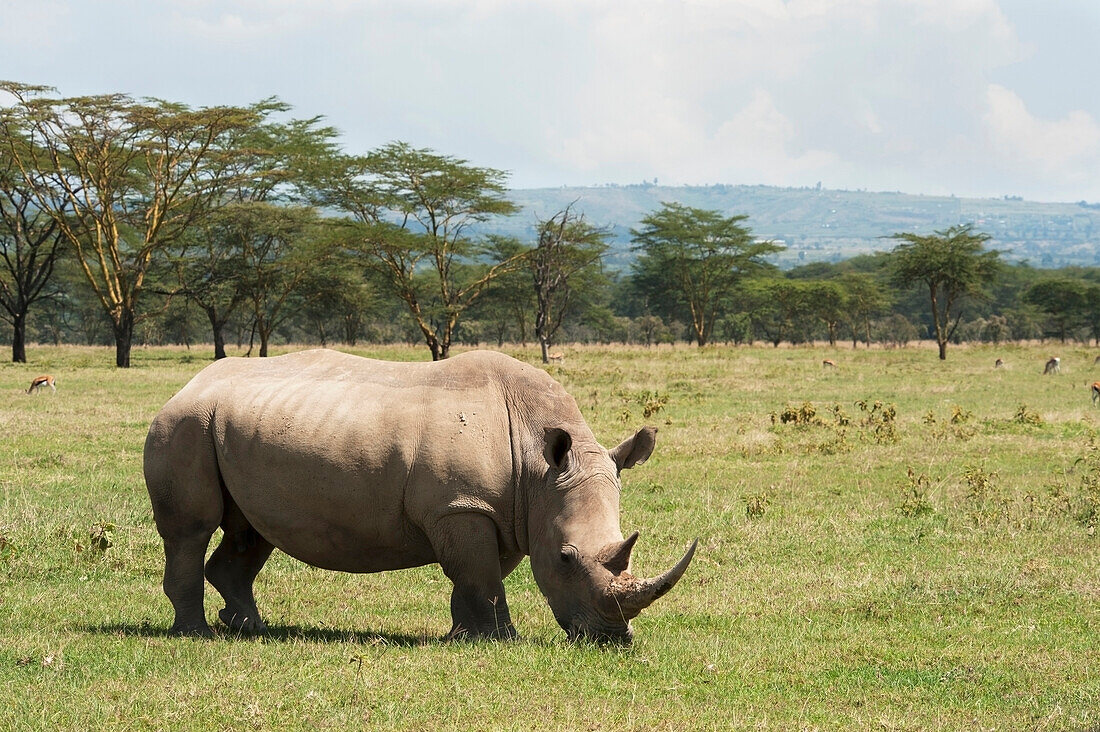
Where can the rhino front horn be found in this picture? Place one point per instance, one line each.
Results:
(634, 595)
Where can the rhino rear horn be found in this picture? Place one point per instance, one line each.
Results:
(616, 556)
(634, 595)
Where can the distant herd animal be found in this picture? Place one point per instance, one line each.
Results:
(1053, 366)
(39, 381)
(357, 465)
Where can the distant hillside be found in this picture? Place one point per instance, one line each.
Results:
(829, 225)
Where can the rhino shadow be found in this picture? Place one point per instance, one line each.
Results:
(276, 633)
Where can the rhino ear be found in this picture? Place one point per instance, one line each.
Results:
(555, 447)
(635, 450)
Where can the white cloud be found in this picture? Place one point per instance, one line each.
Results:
(879, 94)
(762, 144)
(1064, 147)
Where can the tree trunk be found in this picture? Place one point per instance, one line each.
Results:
(219, 342)
(19, 338)
(445, 345)
(544, 345)
(941, 329)
(124, 338)
(352, 324)
(217, 327)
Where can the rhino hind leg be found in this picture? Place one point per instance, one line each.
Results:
(233, 567)
(183, 584)
(185, 490)
(467, 549)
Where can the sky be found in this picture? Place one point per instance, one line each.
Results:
(975, 98)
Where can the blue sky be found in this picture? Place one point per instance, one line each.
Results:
(964, 97)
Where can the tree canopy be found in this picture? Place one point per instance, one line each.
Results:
(953, 265)
(692, 260)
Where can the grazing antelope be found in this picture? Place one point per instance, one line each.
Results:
(556, 357)
(998, 364)
(1054, 366)
(39, 381)
(828, 364)
(1096, 361)
(1095, 389)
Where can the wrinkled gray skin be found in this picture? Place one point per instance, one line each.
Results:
(358, 465)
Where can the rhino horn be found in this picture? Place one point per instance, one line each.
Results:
(616, 555)
(634, 595)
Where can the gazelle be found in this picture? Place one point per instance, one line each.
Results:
(998, 364)
(828, 364)
(39, 381)
(1095, 389)
(556, 357)
(1054, 366)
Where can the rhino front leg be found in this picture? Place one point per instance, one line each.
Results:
(467, 549)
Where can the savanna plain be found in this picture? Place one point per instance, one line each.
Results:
(896, 543)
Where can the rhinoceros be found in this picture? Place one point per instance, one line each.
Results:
(359, 465)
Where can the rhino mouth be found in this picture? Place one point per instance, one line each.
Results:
(578, 630)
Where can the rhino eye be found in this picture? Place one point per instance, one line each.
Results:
(568, 553)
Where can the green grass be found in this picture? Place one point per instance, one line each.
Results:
(935, 571)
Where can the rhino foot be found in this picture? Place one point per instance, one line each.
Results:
(197, 630)
(460, 633)
(241, 622)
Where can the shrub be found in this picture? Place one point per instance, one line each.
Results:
(915, 501)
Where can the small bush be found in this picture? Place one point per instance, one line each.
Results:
(1085, 505)
(880, 421)
(756, 504)
(956, 426)
(986, 504)
(101, 538)
(7, 547)
(1026, 416)
(651, 402)
(915, 501)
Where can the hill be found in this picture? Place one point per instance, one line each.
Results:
(817, 224)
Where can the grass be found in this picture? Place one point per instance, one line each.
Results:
(934, 570)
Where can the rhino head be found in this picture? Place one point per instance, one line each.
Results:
(579, 557)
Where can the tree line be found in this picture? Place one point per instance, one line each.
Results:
(144, 221)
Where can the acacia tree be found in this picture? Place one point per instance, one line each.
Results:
(567, 246)
(780, 307)
(508, 301)
(695, 259)
(864, 299)
(1063, 300)
(269, 162)
(133, 176)
(827, 302)
(953, 265)
(281, 247)
(30, 245)
(417, 208)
